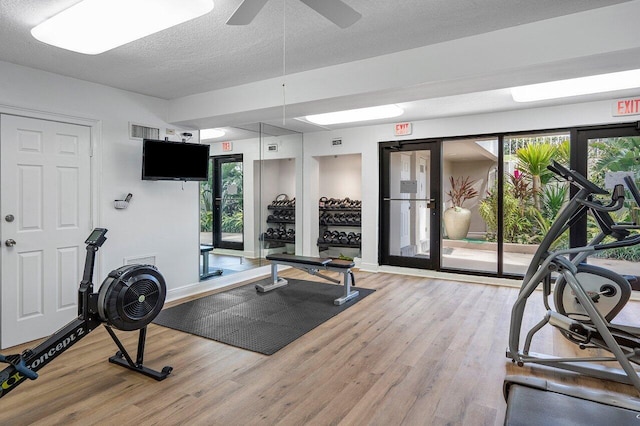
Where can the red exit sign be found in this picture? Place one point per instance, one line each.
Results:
(226, 146)
(402, 129)
(629, 106)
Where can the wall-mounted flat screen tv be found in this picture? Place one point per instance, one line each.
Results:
(164, 160)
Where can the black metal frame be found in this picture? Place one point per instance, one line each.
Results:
(385, 150)
(218, 160)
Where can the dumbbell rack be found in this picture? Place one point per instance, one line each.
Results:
(285, 224)
(346, 219)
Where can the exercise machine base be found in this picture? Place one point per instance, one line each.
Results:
(123, 359)
(533, 401)
(120, 360)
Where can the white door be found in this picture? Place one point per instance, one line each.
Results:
(45, 209)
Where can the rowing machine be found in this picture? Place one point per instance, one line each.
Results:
(129, 299)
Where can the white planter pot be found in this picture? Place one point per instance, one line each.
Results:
(456, 222)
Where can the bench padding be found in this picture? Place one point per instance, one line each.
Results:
(342, 264)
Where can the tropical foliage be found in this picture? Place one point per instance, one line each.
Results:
(232, 200)
(616, 155)
(533, 160)
(206, 204)
(461, 190)
(519, 215)
(531, 199)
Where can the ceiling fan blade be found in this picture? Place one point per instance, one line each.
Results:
(336, 11)
(246, 12)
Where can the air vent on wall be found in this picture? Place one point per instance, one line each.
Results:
(137, 131)
(140, 260)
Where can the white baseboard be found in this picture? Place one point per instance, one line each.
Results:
(217, 283)
(375, 268)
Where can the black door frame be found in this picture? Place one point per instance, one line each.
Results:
(579, 161)
(218, 160)
(385, 150)
(579, 137)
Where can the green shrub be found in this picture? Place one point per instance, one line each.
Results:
(517, 218)
(233, 223)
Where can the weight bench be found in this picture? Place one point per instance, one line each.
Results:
(312, 265)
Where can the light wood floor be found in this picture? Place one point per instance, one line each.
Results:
(416, 352)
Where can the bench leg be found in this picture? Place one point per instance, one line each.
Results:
(276, 282)
(348, 293)
(205, 267)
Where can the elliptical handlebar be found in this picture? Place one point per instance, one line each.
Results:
(575, 178)
(601, 211)
(631, 185)
(625, 242)
(617, 202)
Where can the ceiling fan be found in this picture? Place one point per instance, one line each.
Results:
(336, 11)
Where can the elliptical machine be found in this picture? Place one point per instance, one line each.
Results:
(586, 297)
(129, 299)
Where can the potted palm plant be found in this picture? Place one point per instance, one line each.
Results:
(456, 218)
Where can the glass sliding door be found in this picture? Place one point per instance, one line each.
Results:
(502, 185)
(610, 150)
(532, 197)
(469, 186)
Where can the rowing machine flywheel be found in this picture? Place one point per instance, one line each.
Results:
(131, 296)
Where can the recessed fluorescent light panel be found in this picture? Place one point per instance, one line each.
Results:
(95, 26)
(577, 86)
(211, 133)
(354, 115)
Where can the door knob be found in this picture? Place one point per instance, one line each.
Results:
(10, 242)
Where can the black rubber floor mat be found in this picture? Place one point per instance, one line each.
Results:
(259, 322)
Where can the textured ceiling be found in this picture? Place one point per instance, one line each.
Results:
(205, 54)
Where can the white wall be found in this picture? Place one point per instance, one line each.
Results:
(162, 219)
(340, 176)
